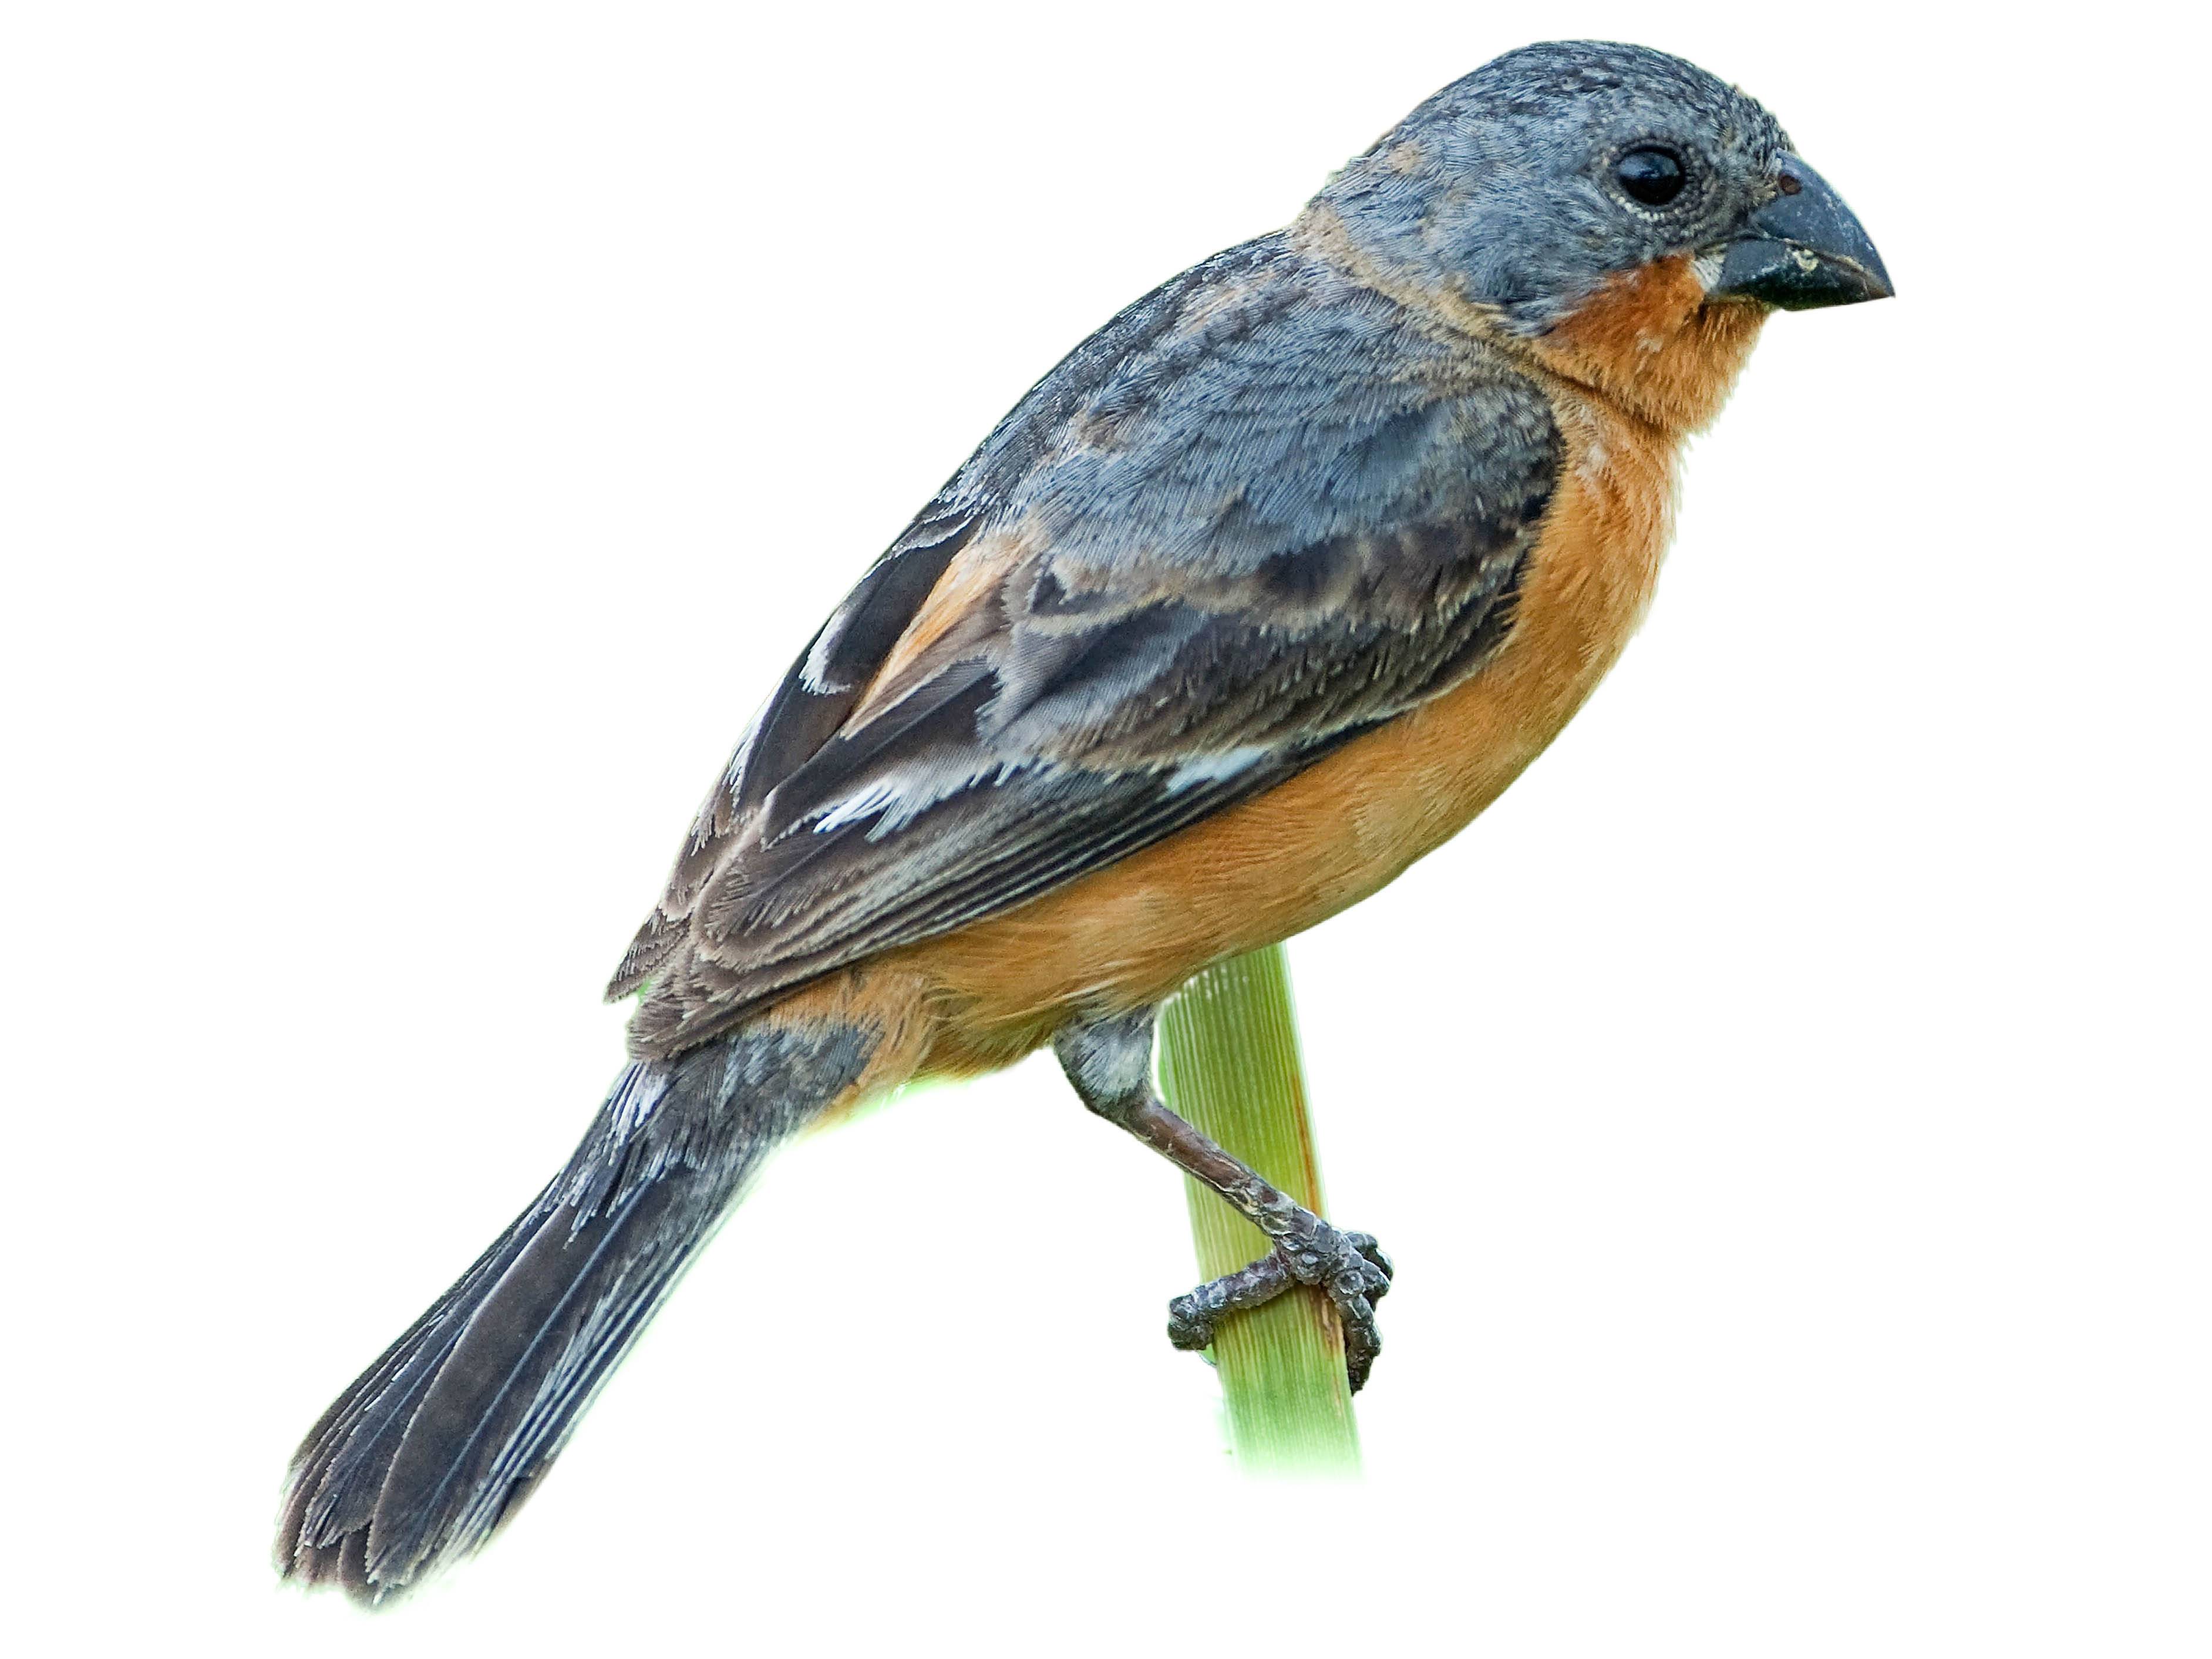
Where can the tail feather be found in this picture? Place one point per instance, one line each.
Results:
(436, 1443)
(338, 1471)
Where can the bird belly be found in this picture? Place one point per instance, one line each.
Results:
(1274, 865)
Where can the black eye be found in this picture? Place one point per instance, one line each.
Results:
(1652, 176)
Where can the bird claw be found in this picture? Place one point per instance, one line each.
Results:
(1350, 1268)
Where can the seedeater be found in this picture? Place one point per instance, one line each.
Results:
(1263, 593)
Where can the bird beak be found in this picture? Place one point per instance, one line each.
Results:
(1803, 249)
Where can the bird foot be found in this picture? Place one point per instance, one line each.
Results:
(1351, 1268)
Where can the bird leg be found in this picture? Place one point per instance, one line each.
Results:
(1109, 1062)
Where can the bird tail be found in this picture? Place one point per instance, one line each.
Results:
(436, 1443)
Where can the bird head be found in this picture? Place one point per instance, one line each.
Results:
(1628, 217)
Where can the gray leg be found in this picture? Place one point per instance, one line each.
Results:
(1109, 1062)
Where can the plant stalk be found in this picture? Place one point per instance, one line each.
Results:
(1228, 1065)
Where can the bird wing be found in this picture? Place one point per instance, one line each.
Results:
(1258, 515)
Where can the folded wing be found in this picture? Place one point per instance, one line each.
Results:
(1255, 516)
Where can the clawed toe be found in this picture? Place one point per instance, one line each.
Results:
(1189, 1327)
(1351, 1268)
(1377, 1257)
(1192, 1318)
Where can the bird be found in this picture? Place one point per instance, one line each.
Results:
(1263, 593)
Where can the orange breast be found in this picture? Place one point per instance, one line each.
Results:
(1278, 863)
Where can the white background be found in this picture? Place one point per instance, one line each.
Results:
(430, 429)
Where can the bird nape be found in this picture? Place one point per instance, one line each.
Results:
(1261, 594)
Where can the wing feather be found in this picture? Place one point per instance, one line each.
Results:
(1260, 514)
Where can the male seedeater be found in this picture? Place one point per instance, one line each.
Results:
(1261, 594)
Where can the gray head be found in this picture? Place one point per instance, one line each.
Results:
(1526, 185)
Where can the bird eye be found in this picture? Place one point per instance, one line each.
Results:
(1653, 176)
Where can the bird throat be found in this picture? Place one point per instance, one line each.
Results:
(1651, 342)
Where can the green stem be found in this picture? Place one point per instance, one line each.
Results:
(1228, 1065)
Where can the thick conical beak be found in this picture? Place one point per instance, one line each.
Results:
(1801, 250)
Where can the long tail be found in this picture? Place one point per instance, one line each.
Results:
(437, 1443)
